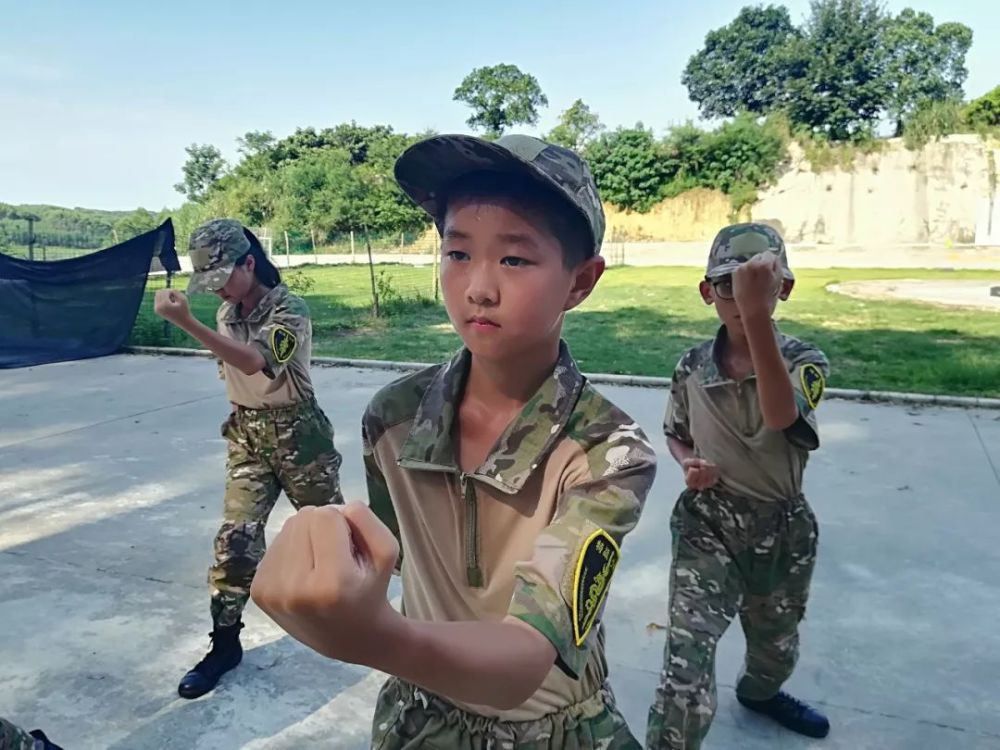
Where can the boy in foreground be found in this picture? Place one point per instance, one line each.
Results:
(501, 484)
(741, 422)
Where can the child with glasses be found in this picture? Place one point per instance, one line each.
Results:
(741, 423)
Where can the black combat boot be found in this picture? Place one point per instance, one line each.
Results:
(47, 744)
(226, 653)
(791, 713)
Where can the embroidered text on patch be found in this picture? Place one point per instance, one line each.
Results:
(283, 344)
(598, 558)
(813, 383)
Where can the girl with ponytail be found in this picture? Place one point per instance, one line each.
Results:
(277, 436)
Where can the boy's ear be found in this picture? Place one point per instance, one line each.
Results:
(786, 289)
(707, 292)
(585, 278)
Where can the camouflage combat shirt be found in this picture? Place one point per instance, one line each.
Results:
(280, 328)
(535, 532)
(721, 419)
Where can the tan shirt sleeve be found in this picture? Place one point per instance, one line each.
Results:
(286, 328)
(562, 590)
(676, 422)
(808, 369)
(379, 498)
(220, 328)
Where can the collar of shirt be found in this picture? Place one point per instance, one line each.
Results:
(522, 446)
(261, 310)
(712, 372)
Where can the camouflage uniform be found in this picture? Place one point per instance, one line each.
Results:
(278, 436)
(269, 451)
(535, 531)
(408, 718)
(15, 738)
(746, 546)
(563, 486)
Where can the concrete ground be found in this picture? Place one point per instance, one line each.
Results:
(110, 486)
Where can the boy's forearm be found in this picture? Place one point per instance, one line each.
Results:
(774, 386)
(243, 357)
(498, 664)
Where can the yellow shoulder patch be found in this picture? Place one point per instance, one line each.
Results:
(813, 383)
(283, 343)
(598, 559)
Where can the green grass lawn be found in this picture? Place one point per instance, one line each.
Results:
(640, 320)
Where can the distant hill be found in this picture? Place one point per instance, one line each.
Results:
(58, 226)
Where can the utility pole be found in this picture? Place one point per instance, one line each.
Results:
(31, 219)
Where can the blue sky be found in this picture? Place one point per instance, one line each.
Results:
(98, 100)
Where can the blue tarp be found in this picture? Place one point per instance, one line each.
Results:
(54, 311)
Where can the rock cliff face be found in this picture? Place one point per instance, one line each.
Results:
(944, 193)
(695, 215)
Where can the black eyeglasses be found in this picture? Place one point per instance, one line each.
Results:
(724, 287)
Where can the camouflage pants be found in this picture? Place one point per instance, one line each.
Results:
(270, 450)
(15, 738)
(731, 555)
(407, 718)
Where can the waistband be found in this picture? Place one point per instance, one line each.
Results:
(718, 493)
(289, 410)
(502, 733)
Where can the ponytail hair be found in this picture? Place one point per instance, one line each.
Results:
(263, 268)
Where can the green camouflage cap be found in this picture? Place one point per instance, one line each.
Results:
(738, 243)
(214, 249)
(426, 168)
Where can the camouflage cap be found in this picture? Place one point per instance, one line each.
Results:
(738, 243)
(214, 248)
(426, 168)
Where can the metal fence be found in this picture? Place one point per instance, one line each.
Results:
(343, 298)
(354, 279)
(45, 252)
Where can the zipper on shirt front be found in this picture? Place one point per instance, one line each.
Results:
(473, 570)
(473, 573)
(746, 427)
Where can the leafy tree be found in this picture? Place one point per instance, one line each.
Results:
(842, 88)
(577, 127)
(745, 66)
(133, 224)
(837, 76)
(984, 111)
(742, 156)
(255, 142)
(628, 167)
(364, 144)
(500, 97)
(634, 171)
(312, 191)
(926, 63)
(321, 181)
(249, 198)
(684, 156)
(375, 204)
(203, 168)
